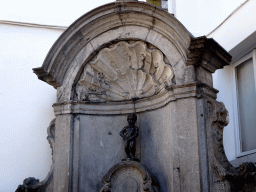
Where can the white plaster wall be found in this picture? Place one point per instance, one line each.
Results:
(202, 16)
(234, 30)
(198, 16)
(48, 12)
(222, 82)
(25, 105)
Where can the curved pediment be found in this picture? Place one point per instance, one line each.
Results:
(123, 54)
(125, 71)
(113, 22)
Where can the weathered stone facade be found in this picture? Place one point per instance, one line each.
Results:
(132, 57)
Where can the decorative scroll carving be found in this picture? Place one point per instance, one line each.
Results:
(51, 134)
(225, 176)
(124, 71)
(245, 179)
(128, 176)
(32, 184)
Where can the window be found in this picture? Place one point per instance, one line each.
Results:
(245, 103)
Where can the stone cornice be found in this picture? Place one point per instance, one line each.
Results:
(208, 54)
(147, 104)
(46, 76)
(114, 108)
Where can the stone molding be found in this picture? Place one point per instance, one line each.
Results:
(110, 108)
(141, 105)
(205, 90)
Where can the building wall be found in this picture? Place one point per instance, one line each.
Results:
(237, 27)
(202, 16)
(25, 104)
(234, 30)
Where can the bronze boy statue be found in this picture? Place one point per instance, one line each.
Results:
(129, 134)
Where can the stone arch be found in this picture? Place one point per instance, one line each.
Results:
(110, 23)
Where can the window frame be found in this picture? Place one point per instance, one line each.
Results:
(237, 129)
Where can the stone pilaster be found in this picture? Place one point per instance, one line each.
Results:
(62, 154)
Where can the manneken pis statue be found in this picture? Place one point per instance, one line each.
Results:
(129, 134)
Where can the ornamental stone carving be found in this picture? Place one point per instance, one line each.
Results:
(128, 176)
(124, 71)
(32, 184)
(224, 176)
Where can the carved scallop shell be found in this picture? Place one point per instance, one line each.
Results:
(124, 71)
